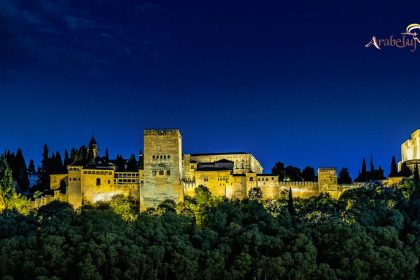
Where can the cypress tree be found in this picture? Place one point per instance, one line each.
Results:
(31, 168)
(372, 175)
(106, 155)
(394, 168)
(6, 178)
(83, 154)
(44, 170)
(363, 174)
(290, 206)
(59, 163)
(380, 173)
(67, 160)
(22, 173)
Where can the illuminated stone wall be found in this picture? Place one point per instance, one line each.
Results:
(269, 185)
(168, 174)
(162, 167)
(410, 151)
(301, 189)
(102, 185)
(57, 179)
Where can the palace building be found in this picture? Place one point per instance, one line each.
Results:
(165, 172)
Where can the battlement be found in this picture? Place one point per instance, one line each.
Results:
(166, 131)
(332, 169)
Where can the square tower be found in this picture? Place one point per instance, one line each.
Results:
(327, 179)
(162, 167)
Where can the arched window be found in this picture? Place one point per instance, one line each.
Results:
(251, 179)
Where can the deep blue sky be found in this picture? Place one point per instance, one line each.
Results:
(284, 80)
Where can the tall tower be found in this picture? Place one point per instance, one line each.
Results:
(162, 167)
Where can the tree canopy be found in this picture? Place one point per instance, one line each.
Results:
(369, 233)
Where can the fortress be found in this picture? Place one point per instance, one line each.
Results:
(410, 151)
(164, 172)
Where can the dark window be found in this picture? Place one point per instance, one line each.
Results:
(160, 172)
(168, 172)
(98, 181)
(251, 178)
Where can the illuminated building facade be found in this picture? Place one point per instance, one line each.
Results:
(164, 172)
(410, 151)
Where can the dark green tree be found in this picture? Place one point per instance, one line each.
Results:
(132, 164)
(293, 174)
(290, 204)
(344, 176)
(44, 171)
(279, 170)
(106, 155)
(363, 175)
(308, 174)
(67, 160)
(372, 169)
(405, 170)
(83, 155)
(22, 179)
(120, 163)
(379, 174)
(31, 168)
(394, 168)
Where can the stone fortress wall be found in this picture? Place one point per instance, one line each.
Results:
(410, 151)
(167, 173)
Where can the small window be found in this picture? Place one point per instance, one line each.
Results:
(98, 181)
(161, 172)
(168, 172)
(251, 179)
(109, 181)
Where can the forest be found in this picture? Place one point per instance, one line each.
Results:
(369, 233)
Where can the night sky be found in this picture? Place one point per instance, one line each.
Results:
(284, 80)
